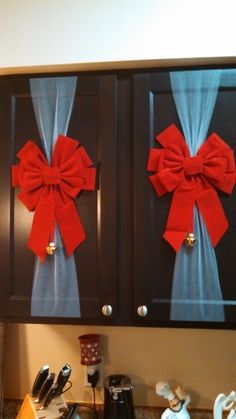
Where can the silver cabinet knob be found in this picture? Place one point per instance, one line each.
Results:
(142, 311)
(107, 310)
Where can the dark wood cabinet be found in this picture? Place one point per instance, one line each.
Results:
(93, 123)
(124, 263)
(154, 258)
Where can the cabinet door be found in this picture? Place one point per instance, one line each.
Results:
(93, 123)
(154, 258)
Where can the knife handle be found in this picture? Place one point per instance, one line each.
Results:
(70, 411)
(45, 387)
(62, 378)
(50, 395)
(39, 380)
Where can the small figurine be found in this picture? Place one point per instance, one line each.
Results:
(178, 401)
(225, 403)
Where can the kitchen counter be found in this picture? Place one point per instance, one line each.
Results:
(11, 408)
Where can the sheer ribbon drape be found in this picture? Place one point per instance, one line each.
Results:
(55, 286)
(196, 292)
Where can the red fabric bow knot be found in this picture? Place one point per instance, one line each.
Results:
(193, 180)
(49, 190)
(51, 175)
(193, 165)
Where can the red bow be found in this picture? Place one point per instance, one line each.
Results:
(50, 190)
(193, 180)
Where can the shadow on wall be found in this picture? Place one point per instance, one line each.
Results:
(2, 350)
(15, 379)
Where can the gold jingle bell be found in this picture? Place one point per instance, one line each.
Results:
(51, 248)
(190, 240)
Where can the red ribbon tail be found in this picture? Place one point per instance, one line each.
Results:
(174, 238)
(180, 218)
(42, 227)
(70, 227)
(213, 214)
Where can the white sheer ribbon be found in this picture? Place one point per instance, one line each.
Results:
(55, 286)
(196, 291)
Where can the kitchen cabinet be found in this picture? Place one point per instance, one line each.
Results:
(93, 124)
(154, 258)
(124, 265)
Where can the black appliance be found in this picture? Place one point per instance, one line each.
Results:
(118, 397)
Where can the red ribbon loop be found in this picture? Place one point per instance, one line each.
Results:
(50, 191)
(193, 180)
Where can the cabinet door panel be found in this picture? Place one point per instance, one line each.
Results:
(154, 259)
(93, 124)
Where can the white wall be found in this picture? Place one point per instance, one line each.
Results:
(45, 32)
